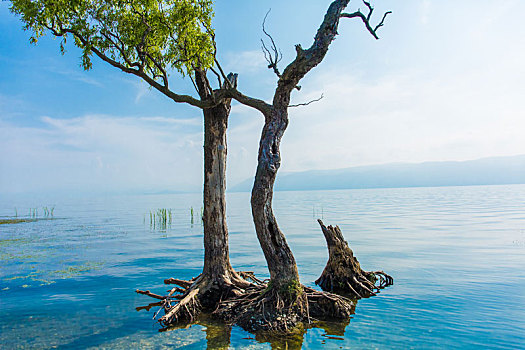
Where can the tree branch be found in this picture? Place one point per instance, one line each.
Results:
(273, 57)
(226, 81)
(138, 72)
(217, 75)
(307, 103)
(306, 60)
(366, 19)
(259, 105)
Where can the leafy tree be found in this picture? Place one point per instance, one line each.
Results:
(150, 38)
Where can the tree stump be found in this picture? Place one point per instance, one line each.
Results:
(343, 273)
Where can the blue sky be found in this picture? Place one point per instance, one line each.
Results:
(444, 82)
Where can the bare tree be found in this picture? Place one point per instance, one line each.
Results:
(285, 302)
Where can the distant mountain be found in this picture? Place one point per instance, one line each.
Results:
(485, 171)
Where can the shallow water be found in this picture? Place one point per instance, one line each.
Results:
(457, 255)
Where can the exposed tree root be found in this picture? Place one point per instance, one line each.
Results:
(343, 273)
(282, 310)
(185, 303)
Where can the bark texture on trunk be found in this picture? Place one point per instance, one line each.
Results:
(218, 281)
(281, 262)
(216, 252)
(217, 268)
(284, 303)
(343, 273)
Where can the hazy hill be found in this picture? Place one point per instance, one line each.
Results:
(485, 171)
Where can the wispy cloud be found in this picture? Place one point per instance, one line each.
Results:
(101, 152)
(246, 61)
(74, 75)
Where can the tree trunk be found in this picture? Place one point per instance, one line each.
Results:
(218, 281)
(218, 275)
(343, 273)
(281, 262)
(216, 257)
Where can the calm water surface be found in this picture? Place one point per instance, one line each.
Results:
(457, 255)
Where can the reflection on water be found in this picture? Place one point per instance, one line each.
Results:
(456, 254)
(218, 334)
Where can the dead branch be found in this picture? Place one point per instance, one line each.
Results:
(189, 300)
(307, 103)
(182, 283)
(272, 55)
(150, 294)
(249, 275)
(149, 306)
(366, 18)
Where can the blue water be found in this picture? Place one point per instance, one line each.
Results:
(457, 255)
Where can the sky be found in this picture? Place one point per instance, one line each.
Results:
(444, 82)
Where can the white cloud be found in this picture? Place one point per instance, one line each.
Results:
(445, 82)
(101, 152)
(246, 61)
(404, 117)
(75, 75)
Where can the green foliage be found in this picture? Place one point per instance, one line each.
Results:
(147, 35)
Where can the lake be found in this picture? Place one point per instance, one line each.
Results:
(457, 255)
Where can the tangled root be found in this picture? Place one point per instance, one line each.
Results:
(343, 273)
(185, 302)
(264, 308)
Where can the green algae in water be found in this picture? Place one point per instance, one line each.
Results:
(49, 277)
(12, 241)
(15, 221)
(72, 271)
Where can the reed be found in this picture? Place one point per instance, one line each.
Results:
(48, 211)
(160, 218)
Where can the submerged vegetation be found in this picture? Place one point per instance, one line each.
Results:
(43, 277)
(15, 221)
(32, 216)
(24, 252)
(162, 218)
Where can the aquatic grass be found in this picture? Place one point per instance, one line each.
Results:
(160, 219)
(48, 212)
(33, 212)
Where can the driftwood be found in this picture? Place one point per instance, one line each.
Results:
(343, 273)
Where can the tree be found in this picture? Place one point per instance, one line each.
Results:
(285, 295)
(147, 38)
